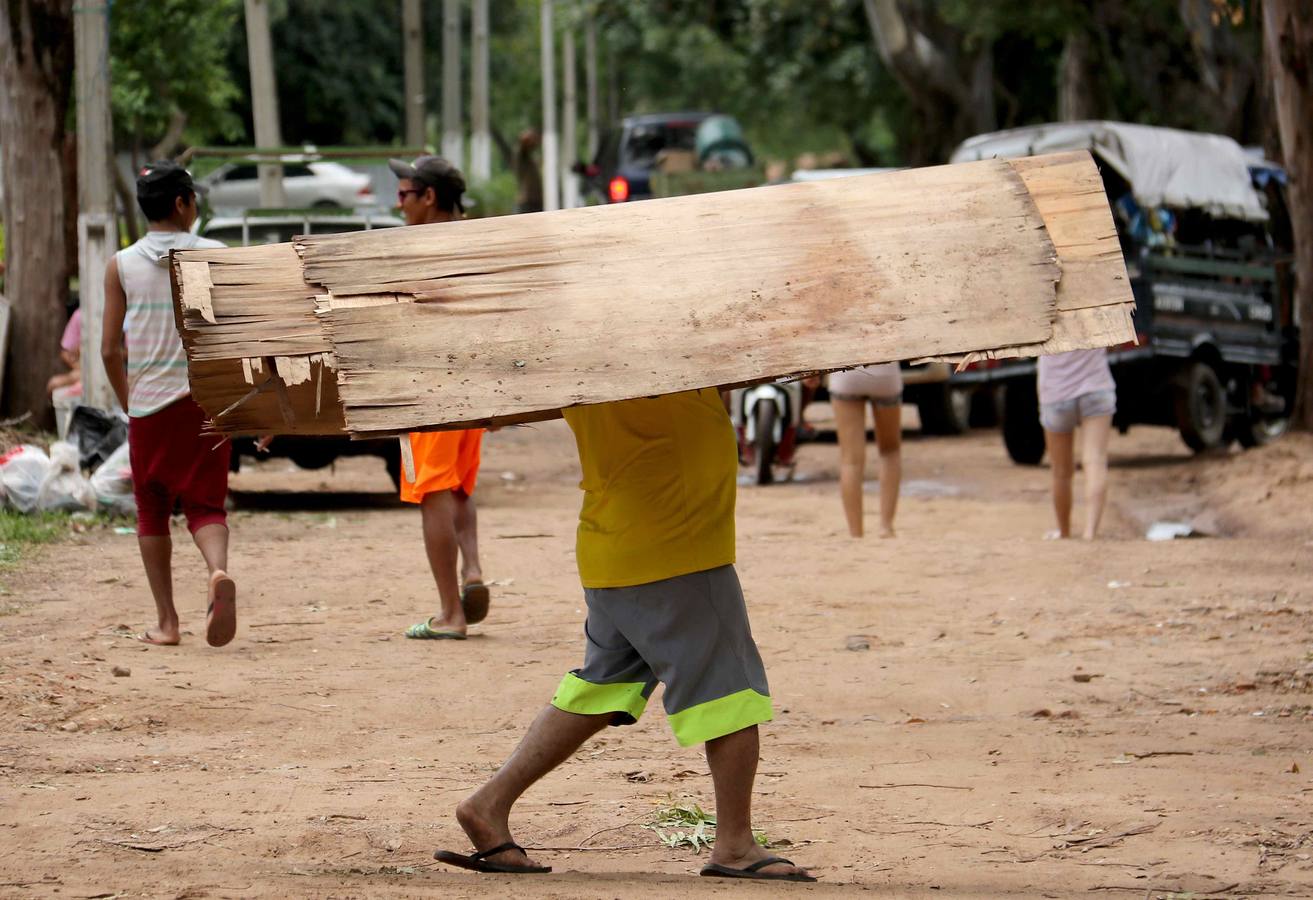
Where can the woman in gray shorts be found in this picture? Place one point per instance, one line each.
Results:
(850, 391)
(1077, 388)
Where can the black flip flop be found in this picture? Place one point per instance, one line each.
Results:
(474, 599)
(714, 870)
(478, 862)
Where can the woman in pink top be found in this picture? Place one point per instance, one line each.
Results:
(70, 353)
(1077, 388)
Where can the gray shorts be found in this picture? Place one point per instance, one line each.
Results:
(690, 633)
(1062, 418)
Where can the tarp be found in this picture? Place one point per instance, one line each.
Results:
(1164, 166)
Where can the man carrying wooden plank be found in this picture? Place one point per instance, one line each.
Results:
(446, 463)
(656, 557)
(171, 460)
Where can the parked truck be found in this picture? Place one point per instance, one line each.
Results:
(1206, 236)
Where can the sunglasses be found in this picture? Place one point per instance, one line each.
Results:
(401, 195)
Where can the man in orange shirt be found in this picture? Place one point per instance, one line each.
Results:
(446, 462)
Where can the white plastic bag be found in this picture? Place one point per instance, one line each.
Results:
(22, 471)
(64, 486)
(112, 483)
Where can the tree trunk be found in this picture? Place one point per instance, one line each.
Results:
(1076, 80)
(1288, 48)
(36, 78)
(127, 197)
(948, 107)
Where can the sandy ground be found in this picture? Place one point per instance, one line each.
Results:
(965, 711)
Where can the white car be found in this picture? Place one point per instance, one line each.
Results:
(235, 186)
(259, 228)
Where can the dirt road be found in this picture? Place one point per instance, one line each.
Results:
(965, 711)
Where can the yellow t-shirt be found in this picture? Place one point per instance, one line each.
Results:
(659, 487)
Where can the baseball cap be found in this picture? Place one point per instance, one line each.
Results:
(164, 177)
(435, 172)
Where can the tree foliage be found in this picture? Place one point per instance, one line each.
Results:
(169, 75)
(801, 74)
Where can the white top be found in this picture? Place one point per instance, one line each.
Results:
(157, 363)
(1066, 376)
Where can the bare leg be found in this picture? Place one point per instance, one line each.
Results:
(1060, 447)
(157, 557)
(467, 536)
(212, 541)
(889, 441)
(552, 738)
(850, 424)
(1094, 460)
(733, 763)
(438, 516)
(221, 612)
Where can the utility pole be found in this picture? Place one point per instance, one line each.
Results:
(551, 155)
(453, 139)
(569, 119)
(97, 235)
(264, 99)
(481, 141)
(412, 27)
(590, 85)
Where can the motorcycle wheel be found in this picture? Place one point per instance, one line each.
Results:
(765, 414)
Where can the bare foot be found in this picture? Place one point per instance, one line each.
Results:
(486, 828)
(221, 617)
(454, 625)
(160, 637)
(723, 856)
(887, 532)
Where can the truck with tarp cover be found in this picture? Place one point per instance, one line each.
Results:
(1205, 231)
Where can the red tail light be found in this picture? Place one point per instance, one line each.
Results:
(618, 189)
(364, 191)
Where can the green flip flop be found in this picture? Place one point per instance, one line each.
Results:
(422, 631)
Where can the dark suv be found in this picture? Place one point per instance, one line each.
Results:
(622, 169)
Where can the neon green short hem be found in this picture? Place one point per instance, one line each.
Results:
(574, 695)
(717, 718)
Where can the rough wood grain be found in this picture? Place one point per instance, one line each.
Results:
(1094, 296)
(510, 319)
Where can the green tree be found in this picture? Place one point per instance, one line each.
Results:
(169, 81)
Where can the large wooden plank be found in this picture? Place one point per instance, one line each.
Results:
(505, 317)
(1094, 297)
(511, 319)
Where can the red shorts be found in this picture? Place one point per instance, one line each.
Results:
(444, 461)
(172, 461)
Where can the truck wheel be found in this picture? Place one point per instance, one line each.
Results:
(1022, 433)
(392, 460)
(944, 409)
(985, 407)
(1200, 407)
(765, 414)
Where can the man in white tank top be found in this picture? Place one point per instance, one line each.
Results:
(172, 461)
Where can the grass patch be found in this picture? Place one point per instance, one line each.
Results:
(19, 532)
(683, 823)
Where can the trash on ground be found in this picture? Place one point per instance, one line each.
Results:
(1167, 531)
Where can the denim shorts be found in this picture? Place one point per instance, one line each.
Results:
(1063, 417)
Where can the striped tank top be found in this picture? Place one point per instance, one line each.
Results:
(157, 364)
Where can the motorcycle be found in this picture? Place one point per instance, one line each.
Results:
(766, 418)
